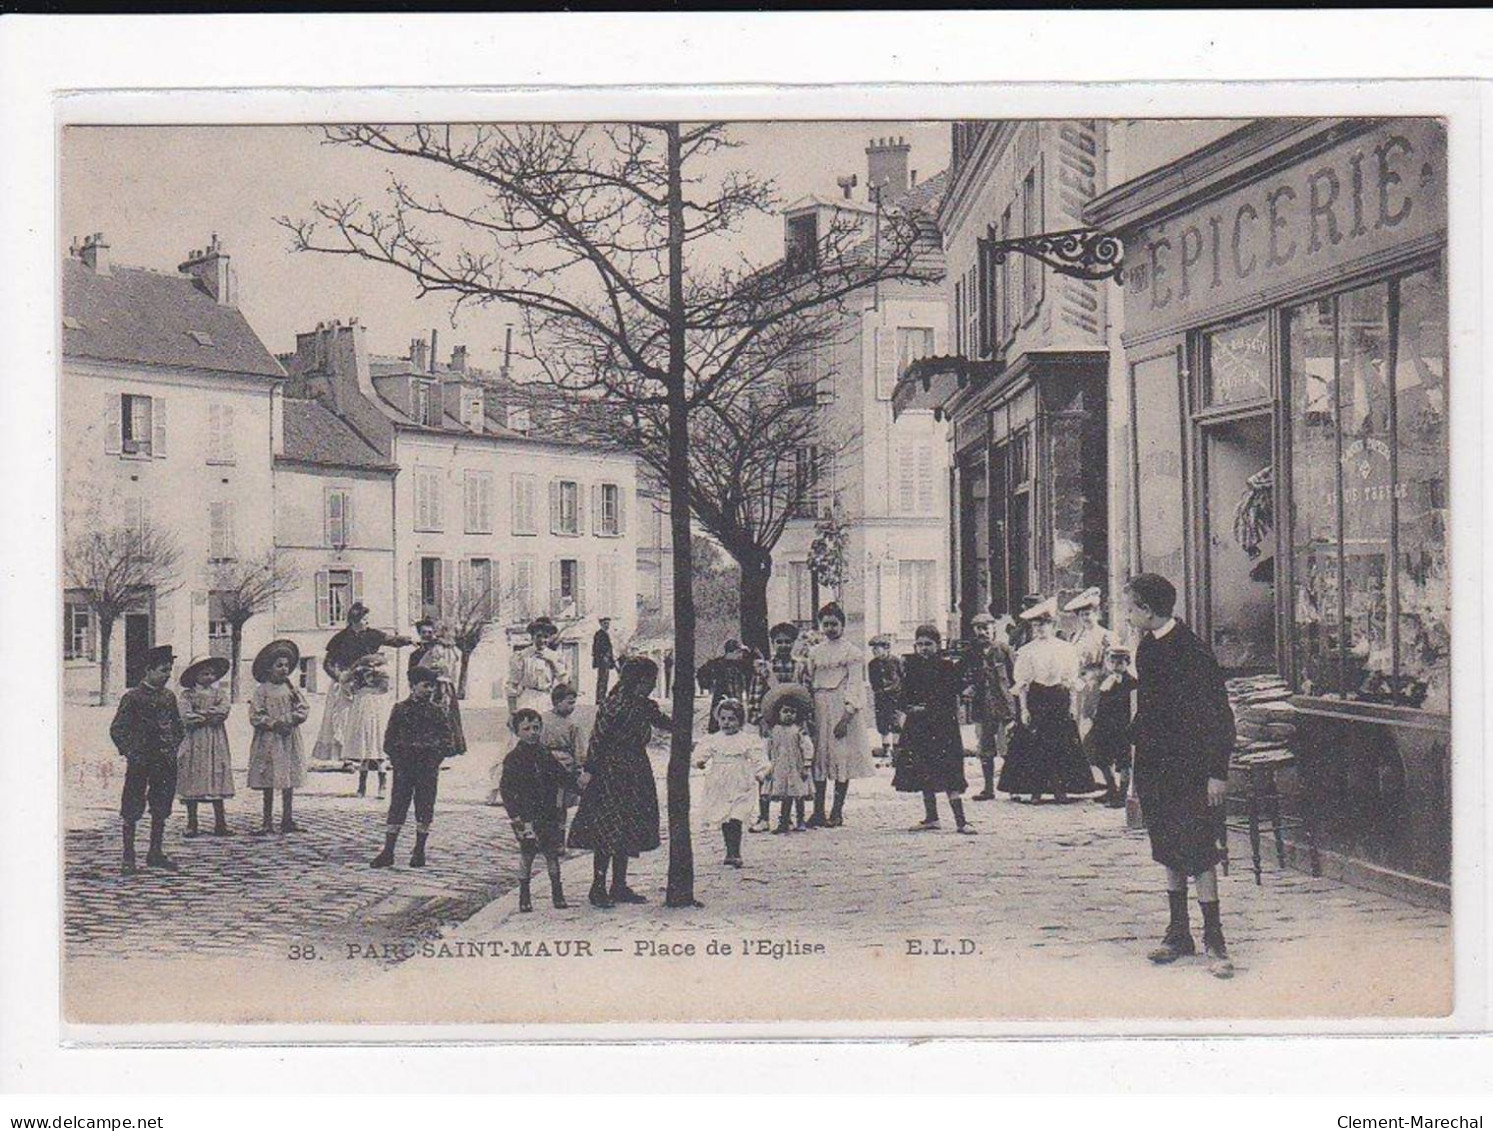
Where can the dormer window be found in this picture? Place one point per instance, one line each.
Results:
(519, 419)
(803, 242)
(425, 406)
(471, 409)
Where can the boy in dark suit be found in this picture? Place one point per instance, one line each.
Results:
(1183, 734)
(147, 729)
(417, 739)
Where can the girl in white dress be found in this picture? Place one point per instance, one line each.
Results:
(735, 766)
(836, 672)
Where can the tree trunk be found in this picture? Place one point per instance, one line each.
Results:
(461, 678)
(235, 654)
(681, 890)
(105, 635)
(756, 571)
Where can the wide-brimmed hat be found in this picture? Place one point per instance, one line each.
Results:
(1090, 598)
(795, 693)
(218, 665)
(270, 652)
(1043, 610)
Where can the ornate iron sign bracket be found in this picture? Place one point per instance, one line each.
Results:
(1082, 253)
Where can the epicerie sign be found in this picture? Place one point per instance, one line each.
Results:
(1367, 195)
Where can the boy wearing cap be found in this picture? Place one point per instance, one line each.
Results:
(147, 729)
(416, 740)
(884, 673)
(1183, 734)
(993, 706)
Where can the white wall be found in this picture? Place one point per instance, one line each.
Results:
(450, 455)
(177, 487)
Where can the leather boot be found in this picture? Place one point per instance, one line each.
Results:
(817, 819)
(127, 865)
(385, 859)
(156, 857)
(417, 857)
(1177, 942)
(1220, 965)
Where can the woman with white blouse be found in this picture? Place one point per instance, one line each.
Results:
(1045, 755)
(836, 674)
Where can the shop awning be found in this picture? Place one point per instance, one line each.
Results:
(932, 382)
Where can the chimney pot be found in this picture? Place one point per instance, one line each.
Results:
(95, 253)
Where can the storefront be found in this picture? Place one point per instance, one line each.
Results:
(1285, 332)
(1028, 480)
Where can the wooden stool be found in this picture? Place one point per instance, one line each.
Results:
(1261, 805)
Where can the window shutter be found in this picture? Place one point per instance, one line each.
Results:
(232, 533)
(90, 634)
(214, 530)
(214, 433)
(469, 502)
(347, 518)
(227, 440)
(580, 509)
(554, 606)
(925, 478)
(158, 421)
(113, 416)
(420, 509)
(485, 502)
(621, 510)
(596, 509)
(464, 592)
(906, 480)
(331, 518)
(493, 590)
(886, 364)
(580, 589)
(437, 516)
(554, 506)
(357, 585)
(144, 515)
(416, 596)
(323, 599)
(515, 505)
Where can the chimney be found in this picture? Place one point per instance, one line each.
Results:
(95, 253)
(209, 267)
(418, 355)
(507, 350)
(458, 359)
(886, 167)
(434, 348)
(846, 184)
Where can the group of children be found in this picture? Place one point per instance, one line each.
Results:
(178, 746)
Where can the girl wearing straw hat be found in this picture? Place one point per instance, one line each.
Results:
(276, 710)
(205, 765)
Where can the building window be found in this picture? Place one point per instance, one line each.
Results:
(220, 433)
(432, 580)
(1236, 364)
(425, 403)
(471, 409)
(607, 506)
(338, 517)
(308, 674)
(913, 344)
(800, 594)
(568, 588)
(77, 630)
(525, 504)
(222, 542)
(219, 630)
(565, 507)
(807, 481)
(972, 311)
(479, 502)
(803, 242)
(915, 604)
(519, 419)
(477, 590)
(137, 425)
(915, 488)
(428, 499)
(336, 591)
(1368, 421)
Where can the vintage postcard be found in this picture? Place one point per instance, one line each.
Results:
(621, 572)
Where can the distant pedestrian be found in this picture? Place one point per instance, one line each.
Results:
(535, 671)
(147, 730)
(726, 676)
(276, 711)
(417, 739)
(1184, 737)
(618, 815)
(885, 673)
(603, 657)
(532, 787)
(1109, 738)
(930, 756)
(205, 764)
(735, 766)
(992, 663)
(790, 752)
(1092, 640)
(837, 676)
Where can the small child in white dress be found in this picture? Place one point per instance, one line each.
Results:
(735, 766)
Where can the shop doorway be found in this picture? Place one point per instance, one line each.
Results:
(1239, 542)
(974, 541)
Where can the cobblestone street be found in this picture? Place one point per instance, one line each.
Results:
(1048, 912)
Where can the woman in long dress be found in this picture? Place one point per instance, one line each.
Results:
(836, 672)
(1092, 641)
(1045, 755)
(618, 814)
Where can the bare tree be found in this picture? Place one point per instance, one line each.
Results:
(610, 241)
(470, 621)
(244, 588)
(116, 567)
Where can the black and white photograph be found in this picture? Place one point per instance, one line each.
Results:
(632, 571)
